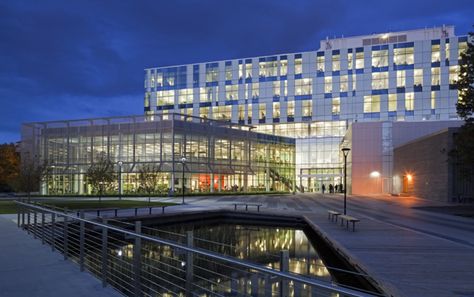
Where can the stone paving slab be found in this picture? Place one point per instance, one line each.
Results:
(30, 269)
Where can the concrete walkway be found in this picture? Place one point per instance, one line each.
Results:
(28, 268)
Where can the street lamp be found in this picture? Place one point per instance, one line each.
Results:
(120, 163)
(345, 151)
(183, 161)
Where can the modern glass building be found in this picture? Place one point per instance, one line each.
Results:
(219, 156)
(315, 96)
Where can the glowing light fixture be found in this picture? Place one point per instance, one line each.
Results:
(409, 177)
(374, 174)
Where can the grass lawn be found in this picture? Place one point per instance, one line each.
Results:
(8, 207)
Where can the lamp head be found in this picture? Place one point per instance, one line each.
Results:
(183, 160)
(345, 151)
(120, 163)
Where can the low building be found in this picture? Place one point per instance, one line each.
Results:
(423, 168)
(219, 156)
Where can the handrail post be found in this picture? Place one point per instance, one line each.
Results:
(18, 215)
(284, 267)
(35, 226)
(189, 264)
(268, 286)
(65, 235)
(28, 221)
(81, 241)
(22, 217)
(42, 228)
(53, 229)
(104, 253)
(254, 285)
(137, 260)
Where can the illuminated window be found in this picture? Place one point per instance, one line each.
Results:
(435, 53)
(262, 111)
(336, 106)
(285, 88)
(298, 66)
(283, 67)
(276, 109)
(307, 108)
(241, 112)
(249, 112)
(211, 73)
(328, 84)
(205, 94)
(276, 88)
(290, 109)
(447, 50)
(371, 104)
(159, 79)
(336, 62)
(344, 80)
(231, 92)
(409, 101)
(401, 79)
(379, 80)
(228, 72)
(380, 58)
(204, 112)
(359, 60)
(354, 81)
(320, 63)
(350, 61)
(241, 71)
(433, 99)
(435, 76)
(255, 90)
(403, 56)
(248, 70)
(418, 77)
(185, 96)
(222, 112)
(303, 86)
(165, 97)
(392, 102)
(147, 99)
(262, 69)
(453, 74)
(462, 48)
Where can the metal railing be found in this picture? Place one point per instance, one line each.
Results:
(139, 264)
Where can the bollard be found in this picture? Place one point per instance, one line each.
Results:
(104, 253)
(284, 267)
(137, 260)
(189, 264)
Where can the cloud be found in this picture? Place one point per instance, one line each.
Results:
(86, 58)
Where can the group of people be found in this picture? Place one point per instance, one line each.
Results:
(338, 188)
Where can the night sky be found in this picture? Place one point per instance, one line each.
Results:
(76, 59)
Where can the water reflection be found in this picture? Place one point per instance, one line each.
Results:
(166, 267)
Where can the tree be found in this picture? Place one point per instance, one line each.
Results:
(100, 174)
(464, 140)
(148, 177)
(9, 166)
(32, 174)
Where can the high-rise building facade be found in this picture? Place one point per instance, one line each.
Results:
(315, 96)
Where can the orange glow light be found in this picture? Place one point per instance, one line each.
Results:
(409, 177)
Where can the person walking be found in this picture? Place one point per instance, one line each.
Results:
(331, 188)
(323, 188)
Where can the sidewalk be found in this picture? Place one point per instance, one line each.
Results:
(29, 268)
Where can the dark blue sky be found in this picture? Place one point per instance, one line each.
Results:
(85, 58)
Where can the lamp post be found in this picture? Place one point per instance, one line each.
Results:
(183, 161)
(345, 151)
(120, 163)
